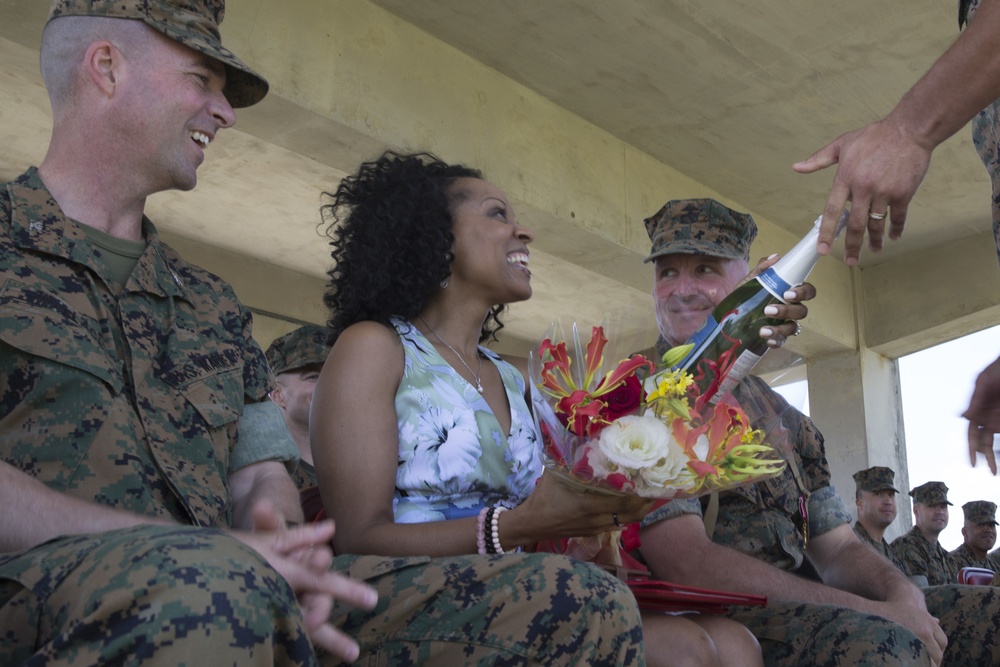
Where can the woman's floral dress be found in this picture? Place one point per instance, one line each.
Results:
(454, 459)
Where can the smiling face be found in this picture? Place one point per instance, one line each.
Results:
(687, 287)
(491, 248)
(876, 509)
(930, 519)
(173, 105)
(980, 536)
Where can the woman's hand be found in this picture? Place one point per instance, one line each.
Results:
(793, 311)
(555, 510)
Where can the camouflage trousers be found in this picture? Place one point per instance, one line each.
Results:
(821, 635)
(970, 616)
(512, 609)
(190, 596)
(815, 635)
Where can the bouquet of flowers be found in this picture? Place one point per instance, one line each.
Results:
(638, 428)
(641, 429)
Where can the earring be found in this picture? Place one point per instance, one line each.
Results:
(444, 283)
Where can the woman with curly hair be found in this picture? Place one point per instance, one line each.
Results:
(423, 440)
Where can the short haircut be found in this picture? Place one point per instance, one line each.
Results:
(65, 41)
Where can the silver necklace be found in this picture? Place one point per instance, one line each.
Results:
(479, 385)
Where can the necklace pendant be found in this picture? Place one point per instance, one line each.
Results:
(479, 386)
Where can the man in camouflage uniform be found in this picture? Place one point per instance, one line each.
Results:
(919, 548)
(982, 412)
(875, 498)
(986, 130)
(864, 612)
(128, 386)
(296, 360)
(980, 533)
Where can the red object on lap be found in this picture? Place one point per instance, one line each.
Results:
(653, 595)
(975, 576)
(611, 551)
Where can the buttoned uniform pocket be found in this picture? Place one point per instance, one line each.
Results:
(37, 321)
(788, 513)
(759, 520)
(58, 383)
(196, 428)
(218, 398)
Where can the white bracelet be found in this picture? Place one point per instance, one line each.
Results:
(495, 528)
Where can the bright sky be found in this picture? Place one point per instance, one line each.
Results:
(936, 385)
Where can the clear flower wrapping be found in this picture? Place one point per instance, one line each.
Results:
(637, 428)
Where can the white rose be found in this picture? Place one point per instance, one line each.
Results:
(671, 470)
(604, 468)
(634, 442)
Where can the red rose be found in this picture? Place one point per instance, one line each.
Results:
(622, 400)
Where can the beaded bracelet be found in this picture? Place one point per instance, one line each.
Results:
(488, 526)
(481, 531)
(495, 528)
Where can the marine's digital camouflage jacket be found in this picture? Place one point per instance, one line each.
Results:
(129, 399)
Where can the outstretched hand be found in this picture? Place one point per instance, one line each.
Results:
(983, 414)
(879, 170)
(302, 555)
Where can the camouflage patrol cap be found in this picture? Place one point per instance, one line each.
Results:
(877, 478)
(980, 511)
(303, 347)
(931, 493)
(700, 227)
(194, 23)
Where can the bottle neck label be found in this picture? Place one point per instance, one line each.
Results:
(774, 284)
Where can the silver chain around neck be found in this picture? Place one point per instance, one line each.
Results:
(476, 375)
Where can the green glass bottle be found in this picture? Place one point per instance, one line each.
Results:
(728, 345)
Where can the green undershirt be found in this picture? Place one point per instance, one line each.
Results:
(119, 255)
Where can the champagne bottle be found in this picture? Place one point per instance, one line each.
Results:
(728, 345)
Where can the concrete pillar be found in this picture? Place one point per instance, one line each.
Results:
(855, 400)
